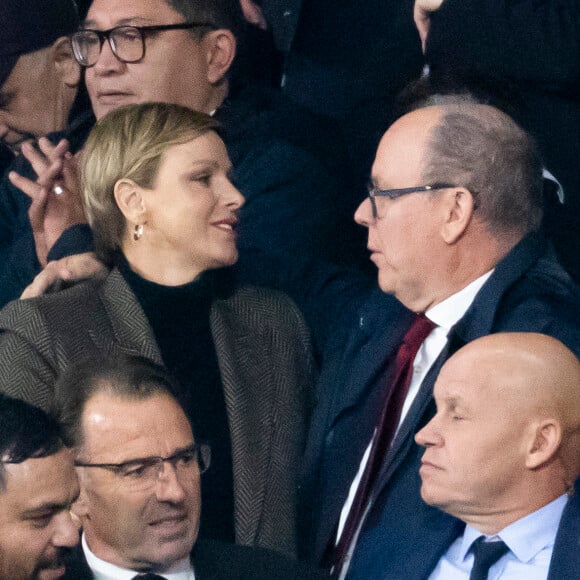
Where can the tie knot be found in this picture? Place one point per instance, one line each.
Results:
(486, 555)
(418, 331)
(148, 576)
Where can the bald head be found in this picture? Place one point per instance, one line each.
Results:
(528, 370)
(506, 437)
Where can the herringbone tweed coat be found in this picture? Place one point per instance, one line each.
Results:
(263, 350)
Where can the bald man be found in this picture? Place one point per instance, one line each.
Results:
(502, 454)
(453, 213)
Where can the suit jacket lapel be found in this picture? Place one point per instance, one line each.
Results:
(128, 324)
(478, 321)
(251, 417)
(353, 411)
(565, 561)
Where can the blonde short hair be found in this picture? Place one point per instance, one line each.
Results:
(129, 143)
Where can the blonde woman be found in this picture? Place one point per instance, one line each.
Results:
(163, 211)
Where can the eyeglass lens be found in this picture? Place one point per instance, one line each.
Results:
(126, 42)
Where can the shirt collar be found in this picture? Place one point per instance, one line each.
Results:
(102, 570)
(449, 311)
(527, 536)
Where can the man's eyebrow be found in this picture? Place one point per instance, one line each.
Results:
(45, 508)
(134, 20)
(141, 459)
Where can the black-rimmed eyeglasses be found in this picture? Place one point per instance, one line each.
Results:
(145, 471)
(395, 193)
(126, 42)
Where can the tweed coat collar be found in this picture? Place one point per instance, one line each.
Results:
(241, 365)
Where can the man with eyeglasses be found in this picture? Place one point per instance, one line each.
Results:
(140, 471)
(183, 51)
(453, 215)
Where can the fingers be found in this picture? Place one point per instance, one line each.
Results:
(47, 278)
(37, 208)
(47, 161)
(422, 22)
(253, 14)
(27, 186)
(70, 175)
(70, 269)
(422, 17)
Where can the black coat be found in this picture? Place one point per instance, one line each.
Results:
(217, 561)
(402, 537)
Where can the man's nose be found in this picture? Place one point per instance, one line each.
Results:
(66, 534)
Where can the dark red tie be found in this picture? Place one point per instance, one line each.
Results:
(400, 379)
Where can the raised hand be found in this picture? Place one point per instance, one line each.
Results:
(253, 14)
(56, 193)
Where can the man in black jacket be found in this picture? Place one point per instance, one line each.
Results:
(139, 469)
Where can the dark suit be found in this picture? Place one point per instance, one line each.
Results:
(401, 536)
(265, 364)
(565, 562)
(217, 561)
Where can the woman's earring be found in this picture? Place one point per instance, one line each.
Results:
(138, 232)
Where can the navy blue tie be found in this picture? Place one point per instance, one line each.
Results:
(486, 555)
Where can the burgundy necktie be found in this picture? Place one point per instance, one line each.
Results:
(399, 380)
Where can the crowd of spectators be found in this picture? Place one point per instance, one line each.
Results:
(189, 193)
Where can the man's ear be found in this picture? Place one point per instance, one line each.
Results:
(129, 198)
(544, 442)
(458, 207)
(221, 51)
(64, 61)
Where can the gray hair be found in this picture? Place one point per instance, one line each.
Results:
(482, 149)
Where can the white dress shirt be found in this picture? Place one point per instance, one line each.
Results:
(102, 570)
(530, 541)
(444, 315)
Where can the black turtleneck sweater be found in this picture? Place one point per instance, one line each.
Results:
(179, 317)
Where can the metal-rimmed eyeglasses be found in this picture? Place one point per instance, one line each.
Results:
(144, 472)
(126, 42)
(395, 193)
